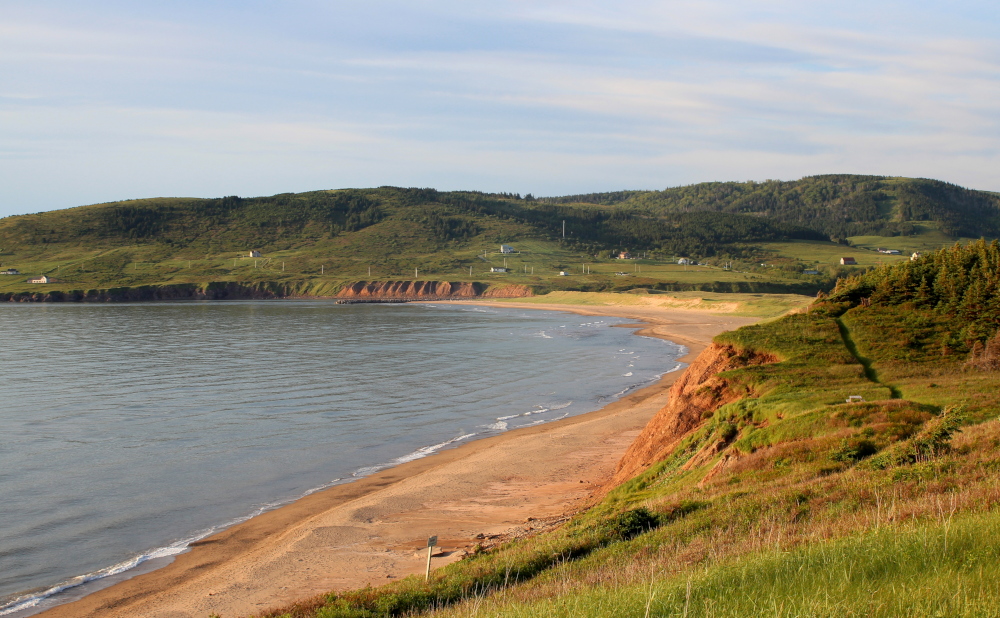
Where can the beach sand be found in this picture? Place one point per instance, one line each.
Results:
(372, 531)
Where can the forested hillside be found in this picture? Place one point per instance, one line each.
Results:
(234, 223)
(837, 205)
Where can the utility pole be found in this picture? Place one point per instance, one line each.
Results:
(564, 229)
(322, 269)
(415, 273)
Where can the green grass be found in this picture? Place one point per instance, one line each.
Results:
(944, 568)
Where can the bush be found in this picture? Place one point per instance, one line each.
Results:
(854, 450)
(629, 524)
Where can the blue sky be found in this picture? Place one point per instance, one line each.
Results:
(112, 100)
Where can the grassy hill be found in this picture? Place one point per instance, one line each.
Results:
(778, 495)
(749, 237)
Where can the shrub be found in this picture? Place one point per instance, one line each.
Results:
(854, 450)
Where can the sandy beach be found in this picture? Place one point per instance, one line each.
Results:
(370, 531)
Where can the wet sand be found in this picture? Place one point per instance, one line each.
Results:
(370, 531)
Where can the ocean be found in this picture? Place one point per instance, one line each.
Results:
(128, 431)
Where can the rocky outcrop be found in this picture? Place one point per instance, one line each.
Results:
(362, 291)
(223, 290)
(429, 290)
(693, 397)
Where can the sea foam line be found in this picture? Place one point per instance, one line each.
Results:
(420, 453)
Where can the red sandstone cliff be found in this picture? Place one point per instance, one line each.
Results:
(698, 392)
(429, 290)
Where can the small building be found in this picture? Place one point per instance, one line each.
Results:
(563, 273)
(499, 269)
(916, 256)
(685, 261)
(810, 272)
(10, 271)
(621, 274)
(848, 261)
(42, 279)
(255, 254)
(855, 399)
(506, 249)
(889, 251)
(624, 255)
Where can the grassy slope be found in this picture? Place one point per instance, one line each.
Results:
(318, 240)
(788, 501)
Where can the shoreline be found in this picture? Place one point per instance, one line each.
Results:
(368, 531)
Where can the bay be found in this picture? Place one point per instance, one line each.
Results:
(129, 430)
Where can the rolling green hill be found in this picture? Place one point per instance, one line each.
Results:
(749, 237)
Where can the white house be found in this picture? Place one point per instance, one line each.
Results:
(10, 271)
(42, 279)
(848, 261)
(499, 269)
(685, 261)
(506, 249)
(624, 255)
(563, 273)
(255, 253)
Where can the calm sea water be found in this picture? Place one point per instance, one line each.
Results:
(128, 431)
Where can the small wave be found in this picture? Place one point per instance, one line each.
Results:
(627, 375)
(561, 406)
(543, 335)
(538, 410)
(498, 426)
(420, 453)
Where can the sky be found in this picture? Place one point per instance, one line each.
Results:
(110, 100)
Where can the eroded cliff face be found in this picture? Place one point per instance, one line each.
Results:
(413, 290)
(228, 290)
(182, 291)
(698, 392)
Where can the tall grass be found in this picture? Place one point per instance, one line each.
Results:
(950, 567)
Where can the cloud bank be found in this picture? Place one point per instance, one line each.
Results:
(114, 100)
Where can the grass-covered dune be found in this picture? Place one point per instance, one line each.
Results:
(780, 497)
(775, 237)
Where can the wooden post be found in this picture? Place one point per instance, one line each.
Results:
(431, 542)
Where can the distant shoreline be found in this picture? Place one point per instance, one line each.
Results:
(256, 564)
